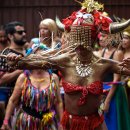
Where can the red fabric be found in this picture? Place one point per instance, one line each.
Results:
(95, 88)
(101, 22)
(81, 122)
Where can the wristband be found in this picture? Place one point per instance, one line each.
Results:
(5, 122)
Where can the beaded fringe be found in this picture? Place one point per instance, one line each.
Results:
(81, 122)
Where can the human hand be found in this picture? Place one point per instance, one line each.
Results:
(2, 73)
(60, 127)
(106, 107)
(5, 127)
(125, 63)
(13, 58)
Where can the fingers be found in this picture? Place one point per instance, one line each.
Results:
(2, 127)
(125, 63)
(5, 127)
(2, 73)
(18, 57)
(128, 59)
(72, 54)
(13, 57)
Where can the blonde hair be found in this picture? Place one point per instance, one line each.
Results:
(50, 23)
(127, 31)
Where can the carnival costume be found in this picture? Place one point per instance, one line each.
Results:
(82, 122)
(37, 110)
(82, 28)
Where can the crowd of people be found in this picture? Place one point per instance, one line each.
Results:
(96, 95)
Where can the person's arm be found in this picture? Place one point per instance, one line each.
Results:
(9, 77)
(41, 61)
(126, 63)
(59, 103)
(2, 73)
(13, 101)
(115, 67)
(118, 56)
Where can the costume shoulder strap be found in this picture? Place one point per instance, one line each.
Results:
(103, 52)
(27, 74)
(111, 57)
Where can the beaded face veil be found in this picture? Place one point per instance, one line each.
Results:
(80, 35)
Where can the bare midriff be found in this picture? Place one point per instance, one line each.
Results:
(90, 107)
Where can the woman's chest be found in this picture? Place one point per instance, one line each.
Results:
(126, 55)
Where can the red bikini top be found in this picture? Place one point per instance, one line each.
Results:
(95, 88)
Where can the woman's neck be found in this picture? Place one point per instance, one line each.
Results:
(39, 73)
(85, 59)
(110, 48)
(127, 50)
(46, 41)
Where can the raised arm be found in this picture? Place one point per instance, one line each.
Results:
(57, 59)
(9, 77)
(115, 67)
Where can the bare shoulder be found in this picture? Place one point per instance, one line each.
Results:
(119, 52)
(21, 79)
(55, 76)
(119, 55)
(98, 53)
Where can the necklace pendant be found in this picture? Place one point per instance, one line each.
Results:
(84, 70)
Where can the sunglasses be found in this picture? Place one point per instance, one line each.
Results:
(20, 32)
